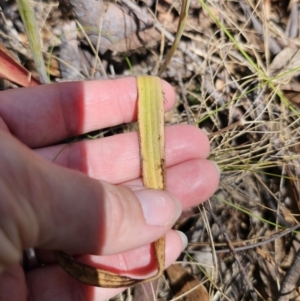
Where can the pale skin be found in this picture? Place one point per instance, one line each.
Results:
(86, 202)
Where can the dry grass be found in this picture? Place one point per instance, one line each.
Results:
(238, 67)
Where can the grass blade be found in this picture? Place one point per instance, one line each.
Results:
(182, 20)
(152, 145)
(31, 28)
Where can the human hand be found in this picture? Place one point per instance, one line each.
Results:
(69, 205)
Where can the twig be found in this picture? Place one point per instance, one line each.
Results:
(183, 48)
(230, 246)
(226, 129)
(181, 24)
(247, 247)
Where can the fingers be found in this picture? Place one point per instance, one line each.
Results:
(57, 208)
(99, 218)
(138, 263)
(116, 159)
(46, 114)
(192, 182)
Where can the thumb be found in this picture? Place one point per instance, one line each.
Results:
(95, 217)
(48, 206)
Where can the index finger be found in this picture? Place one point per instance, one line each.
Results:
(47, 114)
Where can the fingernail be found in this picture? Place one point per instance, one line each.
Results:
(217, 167)
(183, 239)
(160, 208)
